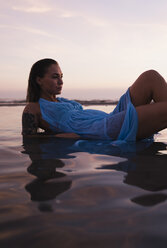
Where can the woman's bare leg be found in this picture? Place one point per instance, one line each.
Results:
(149, 86)
(151, 119)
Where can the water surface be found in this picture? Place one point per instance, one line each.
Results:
(80, 193)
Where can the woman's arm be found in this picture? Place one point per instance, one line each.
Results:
(67, 135)
(30, 119)
(30, 124)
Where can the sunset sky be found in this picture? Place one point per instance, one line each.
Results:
(98, 43)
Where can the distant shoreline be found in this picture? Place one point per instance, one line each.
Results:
(83, 102)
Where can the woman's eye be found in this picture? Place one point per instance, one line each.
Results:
(61, 76)
(55, 77)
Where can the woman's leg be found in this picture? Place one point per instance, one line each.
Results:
(149, 86)
(151, 119)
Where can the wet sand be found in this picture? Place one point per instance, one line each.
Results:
(68, 193)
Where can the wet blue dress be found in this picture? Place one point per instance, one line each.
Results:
(69, 117)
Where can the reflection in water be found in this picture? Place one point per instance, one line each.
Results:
(44, 191)
(146, 170)
(49, 182)
(151, 170)
(144, 166)
(45, 169)
(149, 200)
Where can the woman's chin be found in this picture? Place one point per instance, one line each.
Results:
(58, 93)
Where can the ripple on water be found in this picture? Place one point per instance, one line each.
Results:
(55, 195)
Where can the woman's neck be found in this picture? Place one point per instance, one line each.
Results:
(48, 97)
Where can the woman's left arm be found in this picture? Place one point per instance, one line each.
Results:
(67, 135)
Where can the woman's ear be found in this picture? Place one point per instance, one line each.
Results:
(39, 81)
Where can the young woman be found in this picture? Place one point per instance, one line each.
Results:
(141, 111)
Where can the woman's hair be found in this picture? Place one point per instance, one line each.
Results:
(37, 70)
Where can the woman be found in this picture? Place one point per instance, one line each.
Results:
(141, 111)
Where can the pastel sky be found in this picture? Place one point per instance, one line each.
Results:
(98, 43)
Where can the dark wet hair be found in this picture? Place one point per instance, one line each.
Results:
(37, 70)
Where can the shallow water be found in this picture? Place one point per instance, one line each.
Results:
(69, 193)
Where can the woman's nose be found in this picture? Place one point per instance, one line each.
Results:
(60, 81)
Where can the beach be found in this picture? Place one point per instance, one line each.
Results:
(80, 193)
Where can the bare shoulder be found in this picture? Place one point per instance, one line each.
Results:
(30, 119)
(32, 107)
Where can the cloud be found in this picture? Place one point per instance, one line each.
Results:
(33, 9)
(66, 14)
(30, 6)
(94, 21)
(27, 29)
(59, 11)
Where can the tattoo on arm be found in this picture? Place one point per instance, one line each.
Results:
(29, 124)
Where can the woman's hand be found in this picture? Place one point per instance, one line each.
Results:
(67, 135)
(47, 135)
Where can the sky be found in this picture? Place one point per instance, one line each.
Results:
(100, 44)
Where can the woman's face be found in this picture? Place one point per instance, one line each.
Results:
(51, 83)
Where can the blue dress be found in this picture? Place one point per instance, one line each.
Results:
(69, 117)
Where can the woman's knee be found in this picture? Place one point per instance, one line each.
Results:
(150, 80)
(146, 78)
(141, 90)
(152, 76)
(151, 73)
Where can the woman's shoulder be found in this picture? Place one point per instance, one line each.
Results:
(32, 108)
(30, 118)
